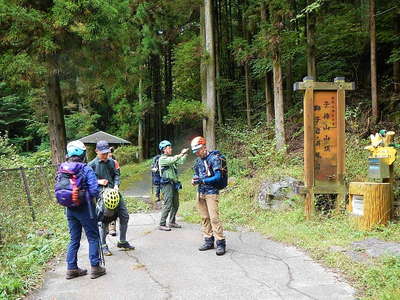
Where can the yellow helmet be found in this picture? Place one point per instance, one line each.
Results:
(111, 198)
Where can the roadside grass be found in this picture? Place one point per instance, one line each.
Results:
(130, 172)
(29, 247)
(375, 280)
(135, 205)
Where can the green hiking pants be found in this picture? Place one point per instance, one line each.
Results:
(170, 203)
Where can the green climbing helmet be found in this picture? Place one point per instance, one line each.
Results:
(111, 198)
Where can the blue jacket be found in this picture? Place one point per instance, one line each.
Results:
(208, 170)
(91, 182)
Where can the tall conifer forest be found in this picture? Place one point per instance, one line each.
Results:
(148, 70)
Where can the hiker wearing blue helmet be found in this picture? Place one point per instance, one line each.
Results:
(81, 216)
(170, 184)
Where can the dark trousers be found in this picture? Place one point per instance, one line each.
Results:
(158, 190)
(123, 216)
(170, 203)
(77, 218)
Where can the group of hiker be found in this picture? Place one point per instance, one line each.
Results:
(210, 175)
(90, 193)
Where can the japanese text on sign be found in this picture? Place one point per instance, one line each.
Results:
(325, 135)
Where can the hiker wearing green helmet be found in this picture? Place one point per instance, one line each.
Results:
(170, 184)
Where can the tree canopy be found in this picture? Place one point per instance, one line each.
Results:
(120, 65)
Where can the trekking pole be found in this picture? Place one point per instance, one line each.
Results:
(90, 204)
(101, 252)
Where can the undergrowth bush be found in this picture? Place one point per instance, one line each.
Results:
(181, 110)
(252, 159)
(249, 149)
(126, 154)
(27, 245)
(8, 154)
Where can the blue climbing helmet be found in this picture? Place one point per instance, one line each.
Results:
(76, 148)
(164, 144)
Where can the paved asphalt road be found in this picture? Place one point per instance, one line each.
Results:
(167, 265)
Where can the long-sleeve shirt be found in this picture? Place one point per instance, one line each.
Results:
(106, 170)
(169, 166)
(208, 170)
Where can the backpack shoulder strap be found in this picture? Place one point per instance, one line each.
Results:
(207, 167)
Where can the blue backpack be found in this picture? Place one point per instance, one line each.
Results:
(155, 170)
(224, 171)
(68, 189)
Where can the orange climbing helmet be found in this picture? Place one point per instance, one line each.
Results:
(197, 143)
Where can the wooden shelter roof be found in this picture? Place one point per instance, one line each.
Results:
(103, 136)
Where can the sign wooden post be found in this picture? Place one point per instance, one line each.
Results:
(324, 138)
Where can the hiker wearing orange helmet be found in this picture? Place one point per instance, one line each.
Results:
(209, 175)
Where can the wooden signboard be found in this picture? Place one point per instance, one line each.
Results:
(324, 138)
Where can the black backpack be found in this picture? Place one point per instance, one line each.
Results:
(104, 214)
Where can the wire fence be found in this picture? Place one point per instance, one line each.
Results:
(26, 196)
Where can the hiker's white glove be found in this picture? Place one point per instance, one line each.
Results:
(102, 181)
(116, 187)
(184, 151)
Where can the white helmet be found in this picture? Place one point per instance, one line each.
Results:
(197, 143)
(75, 148)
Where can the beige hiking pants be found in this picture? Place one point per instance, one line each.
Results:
(209, 213)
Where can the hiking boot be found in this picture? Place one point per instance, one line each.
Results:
(106, 251)
(164, 228)
(208, 244)
(125, 246)
(97, 271)
(221, 245)
(174, 225)
(75, 273)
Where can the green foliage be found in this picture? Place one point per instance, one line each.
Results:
(252, 148)
(80, 124)
(241, 50)
(180, 110)
(135, 205)
(126, 154)
(25, 245)
(383, 278)
(395, 56)
(14, 115)
(339, 52)
(8, 154)
(39, 158)
(238, 208)
(186, 69)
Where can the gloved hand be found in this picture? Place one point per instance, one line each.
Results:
(116, 187)
(102, 182)
(196, 180)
